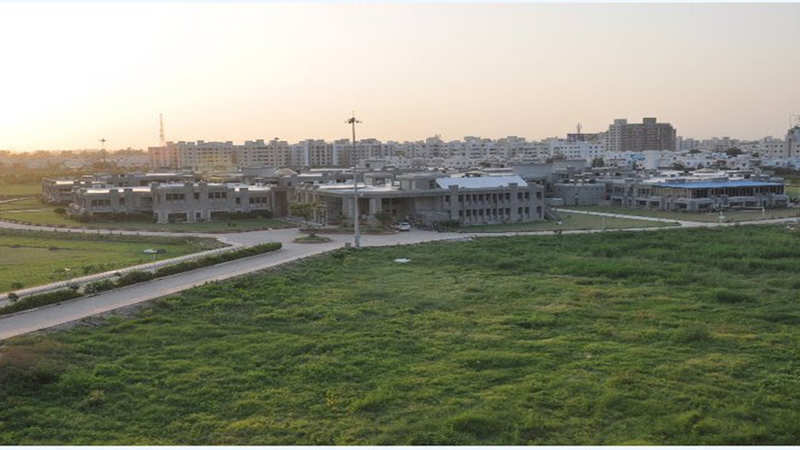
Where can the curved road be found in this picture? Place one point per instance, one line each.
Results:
(69, 311)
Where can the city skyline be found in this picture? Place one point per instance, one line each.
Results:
(297, 71)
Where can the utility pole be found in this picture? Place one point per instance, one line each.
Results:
(356, 231)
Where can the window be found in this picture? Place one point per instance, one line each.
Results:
(121, 201)
(527, 195)
(447, 198)
(519, 195)
(197, 196)
(508, 196)
(538, 194)
(519, 210)
(461, 198)
(238, 200)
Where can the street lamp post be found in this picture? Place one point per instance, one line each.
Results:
(356, 229)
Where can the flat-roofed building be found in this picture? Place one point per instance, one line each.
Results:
(179, 202)
(705, 195)
(427, 199)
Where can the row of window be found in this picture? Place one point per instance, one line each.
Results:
(493, 197)
(497, 212)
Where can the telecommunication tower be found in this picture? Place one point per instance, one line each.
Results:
(161, 129)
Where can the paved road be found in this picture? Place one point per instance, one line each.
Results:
(52, 315)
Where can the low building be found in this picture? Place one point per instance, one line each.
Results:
(579, 194)
(180, 202)
(708, 195)
(427, 199)
(57, 191)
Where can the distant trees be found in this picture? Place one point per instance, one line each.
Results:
(598, 162)
(732, 152)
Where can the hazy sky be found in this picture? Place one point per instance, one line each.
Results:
(73, 73)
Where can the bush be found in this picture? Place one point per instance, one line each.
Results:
(16, 285)
(98, 286)
(136, 276)
(35, 301)
(12, 297)
(216, 259)
(61, 211)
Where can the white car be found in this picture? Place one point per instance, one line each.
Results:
(403, 226)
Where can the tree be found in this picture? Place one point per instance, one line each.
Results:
(598, 162)
(678, 166)
(733, 151)
(304, 210)
(694, 151)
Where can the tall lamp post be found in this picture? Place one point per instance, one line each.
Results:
(356, 231)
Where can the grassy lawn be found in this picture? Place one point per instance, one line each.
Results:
(35, 212)
(23, 203)
(34, 258)
(568, 222)
(731, 216)
(667, 337)
(20, 190)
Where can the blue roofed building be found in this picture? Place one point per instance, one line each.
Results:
(702, 195)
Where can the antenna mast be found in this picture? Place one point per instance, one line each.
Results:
(161, 129)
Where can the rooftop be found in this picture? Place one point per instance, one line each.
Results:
(480, 182)
(718, 184)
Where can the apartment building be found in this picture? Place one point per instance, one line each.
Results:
(648, 135)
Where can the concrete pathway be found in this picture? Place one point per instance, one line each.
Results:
(58, 314)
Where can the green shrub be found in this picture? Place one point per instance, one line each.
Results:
(35, 301)
(136, 276)
(216, 259)
(16, 285)
(98, 286)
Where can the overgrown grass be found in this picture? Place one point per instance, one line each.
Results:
(667, 337)
(568, 221)
(729, 215)
(29, 258)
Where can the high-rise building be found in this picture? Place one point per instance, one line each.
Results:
(637, 137)
(793, 142)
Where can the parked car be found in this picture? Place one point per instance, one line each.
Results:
(403, 226)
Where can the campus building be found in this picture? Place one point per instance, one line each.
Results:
(427, 199)
(706, 195)
(180, 202)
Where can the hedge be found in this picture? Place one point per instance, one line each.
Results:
(137, 276)
(218, 258)
(35, 301)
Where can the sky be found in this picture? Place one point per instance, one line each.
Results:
(73, 73)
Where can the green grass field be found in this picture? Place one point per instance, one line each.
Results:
(664, 337)
(20, 190)
(33, 258)
(731, 216)
(569, 221)
(35, 212)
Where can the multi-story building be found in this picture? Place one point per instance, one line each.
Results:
(648, 135)
(179, 202)
(793, 142)
(428, 198)
(694, 195)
